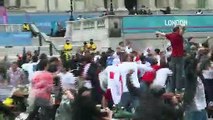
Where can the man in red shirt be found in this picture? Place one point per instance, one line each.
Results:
(42, 84)
(177, 63)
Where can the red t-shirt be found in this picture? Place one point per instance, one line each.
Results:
(177, 44)
(42, 84)
(149, 76)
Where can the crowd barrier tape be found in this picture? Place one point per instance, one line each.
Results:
(165, 23)
(15, 39)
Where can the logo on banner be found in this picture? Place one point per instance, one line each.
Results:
(175, 22)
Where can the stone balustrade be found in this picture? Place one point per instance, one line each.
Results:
(93, 23)
(97, 29)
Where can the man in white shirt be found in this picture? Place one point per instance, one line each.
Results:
(97, 56)
(128, 48)
(161, 77)
(124, 69)
(30, 68)
(157, 55)
(144, 62)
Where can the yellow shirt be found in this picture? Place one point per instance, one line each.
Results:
(67, 47)
(26, 27)
(92, 47)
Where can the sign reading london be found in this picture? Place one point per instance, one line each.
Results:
(175, 22)
(165, 23)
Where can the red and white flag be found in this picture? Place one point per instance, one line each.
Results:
(114, 83)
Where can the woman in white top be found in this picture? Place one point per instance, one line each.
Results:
(194, 100)
(67, 79)
(197, 111)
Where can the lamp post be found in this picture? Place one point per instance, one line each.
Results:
(48, 6)
(71, 11)
(111, 11)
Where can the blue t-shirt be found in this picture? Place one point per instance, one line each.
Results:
(110, 60)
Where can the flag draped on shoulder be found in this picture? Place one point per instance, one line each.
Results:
(114, 83)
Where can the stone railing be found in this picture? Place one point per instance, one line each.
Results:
(97, 29)
(10, 28)
(94, 24)
(88, 24)
(85, 25)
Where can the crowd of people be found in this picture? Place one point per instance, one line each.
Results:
(171, 84)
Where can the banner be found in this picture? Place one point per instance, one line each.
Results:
(165, 23)
(15, 39)
(3, 15)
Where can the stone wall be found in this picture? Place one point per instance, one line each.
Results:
(98, 5)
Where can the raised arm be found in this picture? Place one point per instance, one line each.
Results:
(144, 67)
(132, 89)
(158, 33)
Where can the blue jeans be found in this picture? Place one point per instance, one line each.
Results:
(196, 115)
(143, 87)
(128, 101)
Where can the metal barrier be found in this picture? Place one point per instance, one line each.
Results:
(43, 37)
(10, 28)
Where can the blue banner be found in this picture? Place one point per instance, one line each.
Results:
(165, 23)
(15, 39)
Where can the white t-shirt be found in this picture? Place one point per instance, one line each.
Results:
(124, 69)
(208, 74)
(30, 68)
(87, 83)
(161, 77)
(199, 102)
(97, 57)
(67, 80)
(147, 64)
(128, 50)
(143, 68)
(158, 58)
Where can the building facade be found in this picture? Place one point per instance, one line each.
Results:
(100, 5)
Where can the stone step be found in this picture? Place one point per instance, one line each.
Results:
(57, 41)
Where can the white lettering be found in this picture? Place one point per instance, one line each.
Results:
(175, 22)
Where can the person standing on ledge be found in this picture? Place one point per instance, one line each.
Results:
(177, 62)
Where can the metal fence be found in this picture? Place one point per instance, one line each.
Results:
(10, 28)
